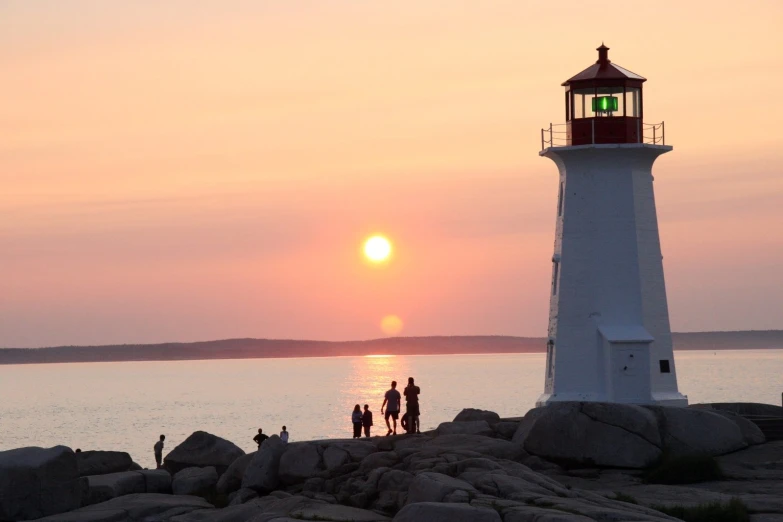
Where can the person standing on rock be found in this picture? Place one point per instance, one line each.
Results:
(356, 419)
(367, 420)
(260, 437)
(412, 405)
(159, 450)
(284, 435)
(392, 399)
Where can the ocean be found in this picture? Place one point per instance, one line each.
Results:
(125, 406)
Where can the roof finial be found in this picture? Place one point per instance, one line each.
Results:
(603, 54)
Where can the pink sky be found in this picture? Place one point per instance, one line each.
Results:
(191, 170)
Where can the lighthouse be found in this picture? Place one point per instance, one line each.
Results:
(609, 338)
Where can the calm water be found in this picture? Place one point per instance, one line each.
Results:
(125, 406)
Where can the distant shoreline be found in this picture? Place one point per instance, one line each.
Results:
(280, 348)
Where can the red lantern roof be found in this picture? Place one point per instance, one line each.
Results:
(604, 69)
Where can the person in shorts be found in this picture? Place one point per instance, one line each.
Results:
(159, 450)
(392, 403)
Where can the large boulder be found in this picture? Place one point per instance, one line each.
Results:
(595, 434)
(381, 459)
(300, 462)
(357, 450)
(436, 487)
(202, 449)
(392, 490)
(262, 474)
(231, 480)
(335, 513)
(37, 482)
(477, 427)
(437, 512)
(134, 508)
(195, 481)
(112, 485)
(335, 457)
(498, 448)
(751, 433)
(156, 480)
(102, 462)
(472, 414)
(692, 431)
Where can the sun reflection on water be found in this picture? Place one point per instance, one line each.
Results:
(367, 382)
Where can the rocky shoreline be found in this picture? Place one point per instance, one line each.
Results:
(565, 462)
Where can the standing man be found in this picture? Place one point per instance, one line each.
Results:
(412, 405)
(159, 450)
(367, 420)
(392, 399)
(284, 435)
(260, 438)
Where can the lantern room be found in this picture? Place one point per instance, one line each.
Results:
(603, 104)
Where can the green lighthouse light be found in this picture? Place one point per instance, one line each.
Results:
(605, 104)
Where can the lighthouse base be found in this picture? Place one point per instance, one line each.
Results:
(660, 399)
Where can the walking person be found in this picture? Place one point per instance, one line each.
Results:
(367, 420)
(356, 419)
(412, 406)
(391, 400)
(159, 450)
(284, 435)
(260, 438)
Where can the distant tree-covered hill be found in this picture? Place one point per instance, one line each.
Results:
(259, 348)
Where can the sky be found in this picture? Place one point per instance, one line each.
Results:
(194, 170)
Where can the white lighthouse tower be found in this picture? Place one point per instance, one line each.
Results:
(609, 335)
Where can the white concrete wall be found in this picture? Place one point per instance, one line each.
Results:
(611, 271)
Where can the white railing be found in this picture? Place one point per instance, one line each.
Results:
(556, 135)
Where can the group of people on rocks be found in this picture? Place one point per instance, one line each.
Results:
(362, 420)
(258, 439)
(391, 402)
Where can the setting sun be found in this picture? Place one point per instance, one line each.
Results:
(377, 249)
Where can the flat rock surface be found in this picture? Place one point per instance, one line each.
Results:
(437, 512)
(133, 508)
(102, 462)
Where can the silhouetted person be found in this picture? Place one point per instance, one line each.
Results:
(392, 398)
(159, 450)
(78, 450)
(284, 435)
(367, 420)
(356, 419)
(260, 437)
(412, 406)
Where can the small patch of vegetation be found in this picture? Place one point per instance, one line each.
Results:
(683, 470)
(622, 497)
(734, 511)
(219, 500)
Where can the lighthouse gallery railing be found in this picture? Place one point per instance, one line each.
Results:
(556, 135)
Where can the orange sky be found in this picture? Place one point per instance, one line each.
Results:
(190, 170)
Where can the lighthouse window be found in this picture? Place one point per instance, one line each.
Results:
(555, 270)
(632, 103)
(664, 366)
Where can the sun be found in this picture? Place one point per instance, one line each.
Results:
(377, 249)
